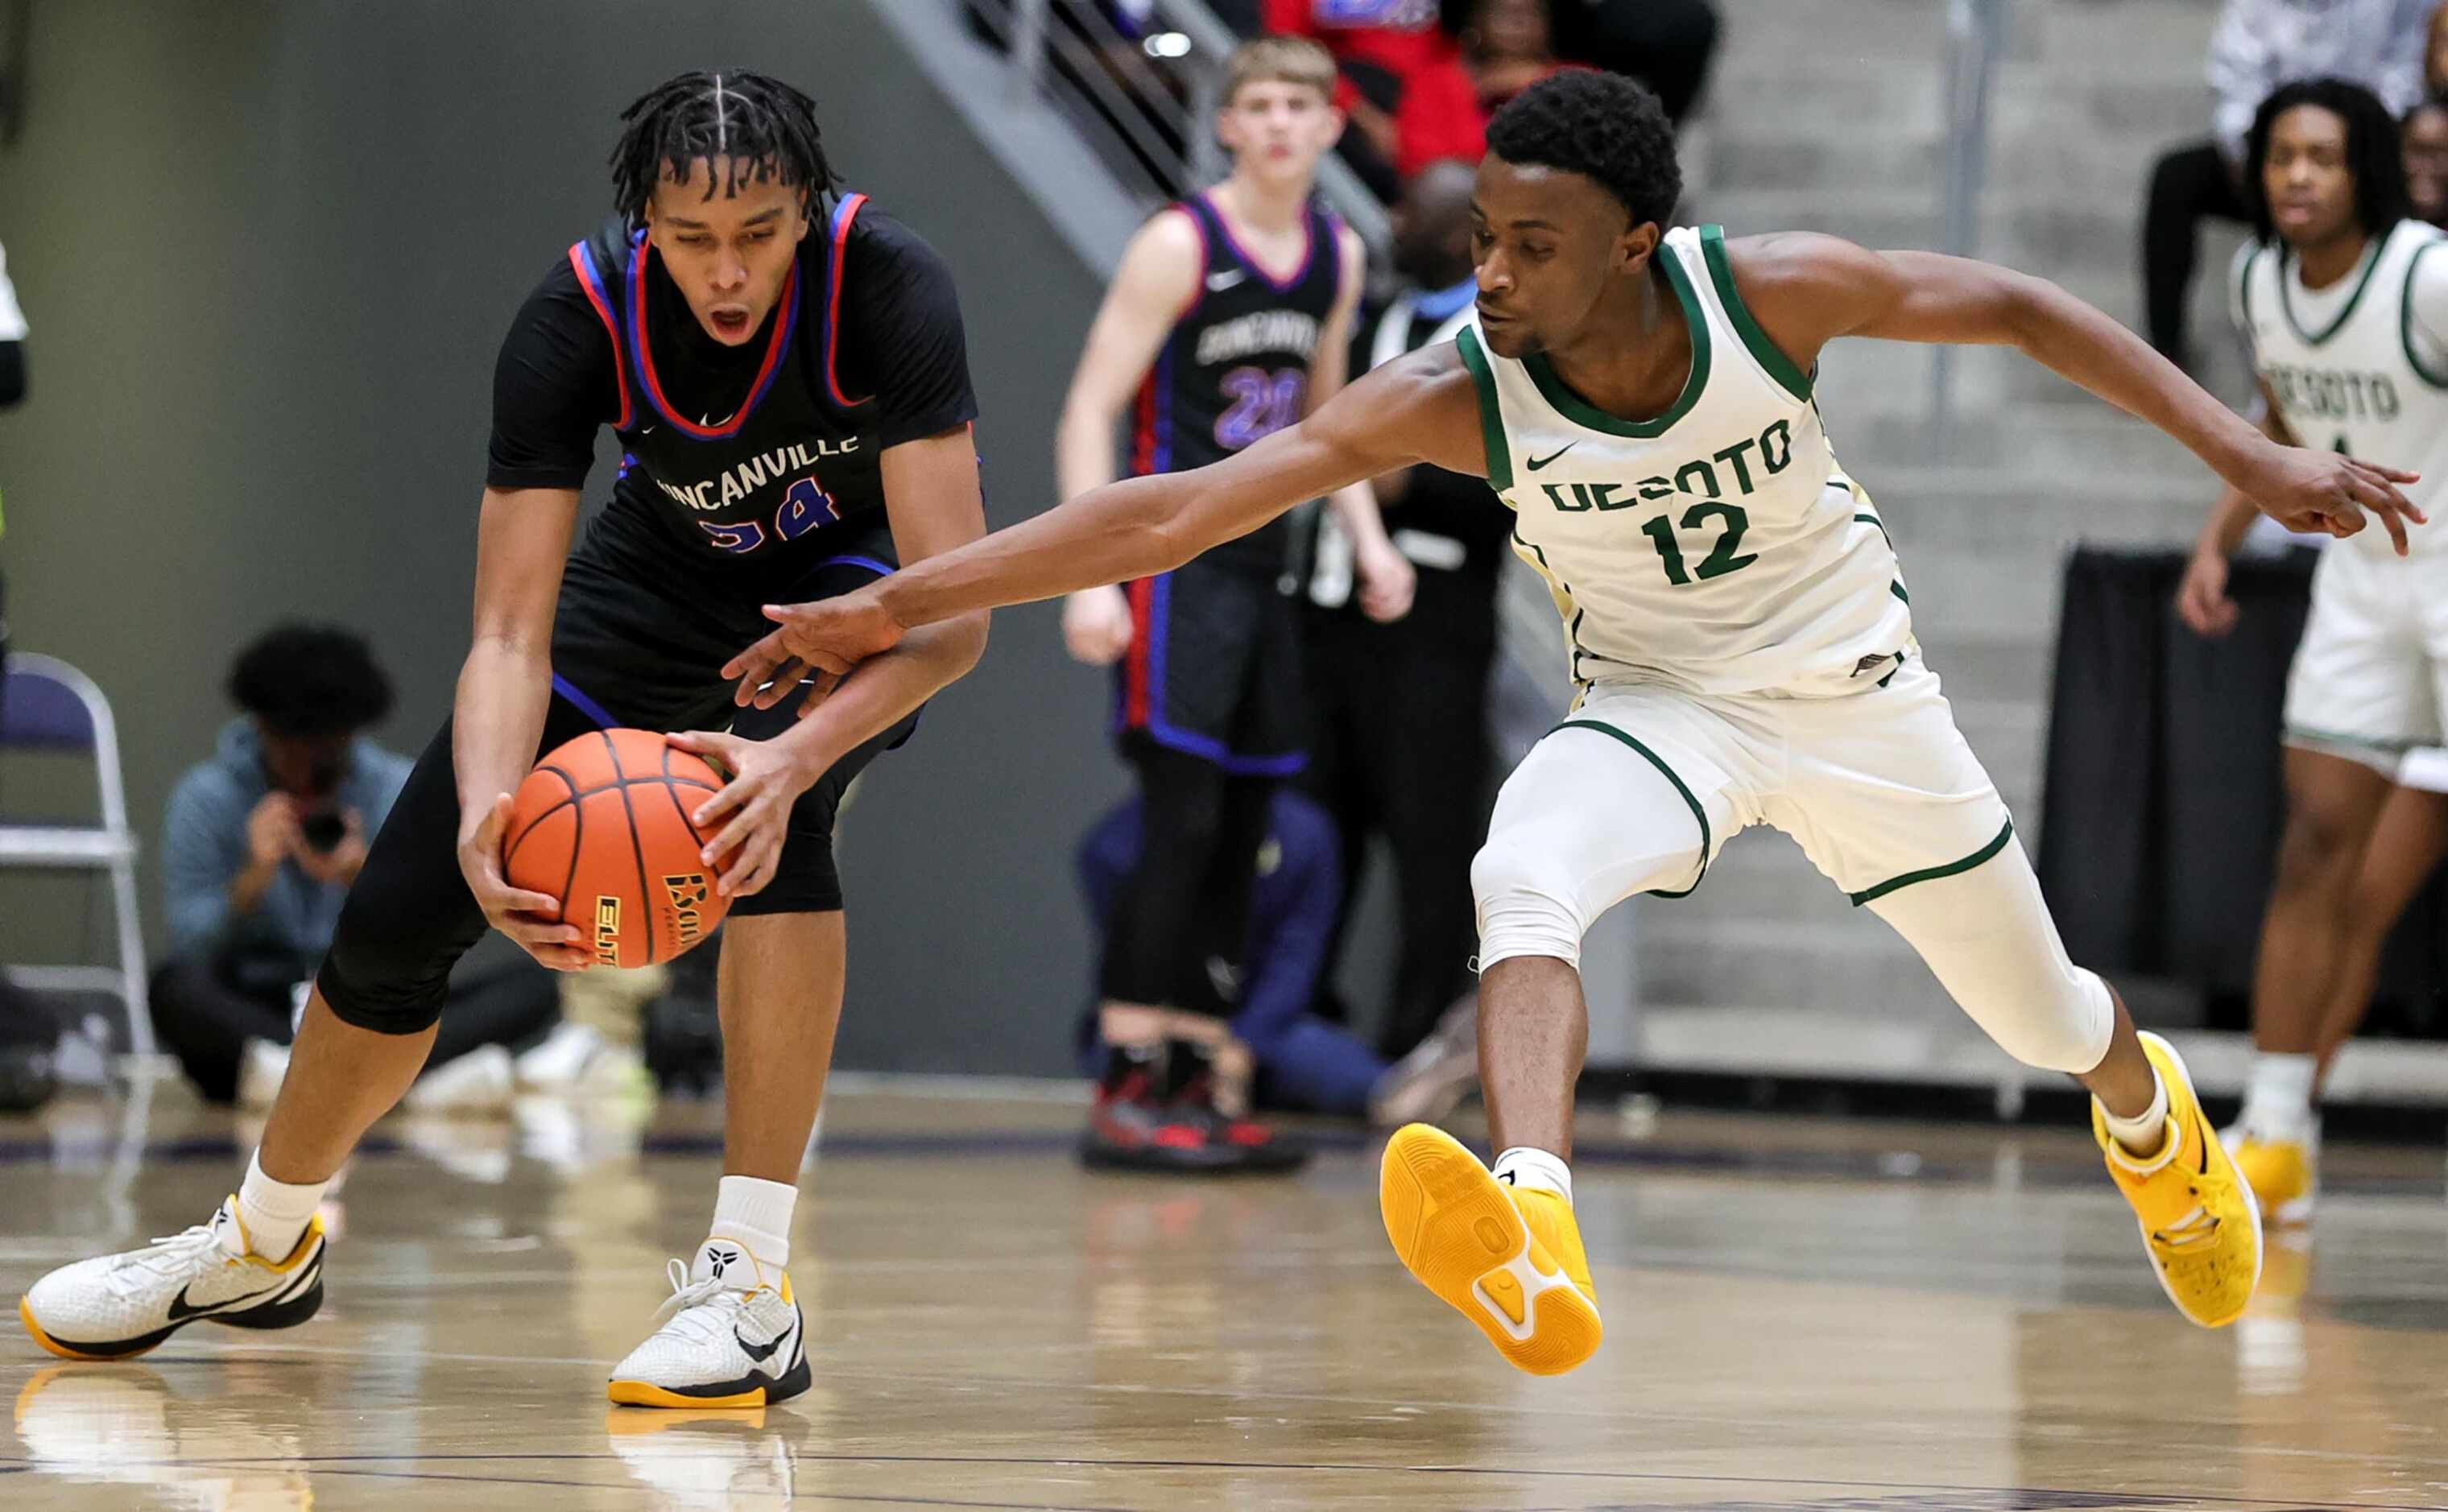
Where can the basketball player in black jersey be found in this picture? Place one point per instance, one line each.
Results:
(1226, 321)
(785, 371)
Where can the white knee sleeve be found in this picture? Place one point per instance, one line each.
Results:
(1527, 905)
(1987, 936)
(1583, 823)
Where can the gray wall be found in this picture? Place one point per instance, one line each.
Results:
(267, 252)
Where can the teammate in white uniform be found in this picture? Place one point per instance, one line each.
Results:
(1642, 401)
(2345, 299)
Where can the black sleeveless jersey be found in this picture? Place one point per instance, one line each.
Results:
(1236, 366)
(735, 461)
(739, 472)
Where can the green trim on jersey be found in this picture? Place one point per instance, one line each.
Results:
(1933, 874)
(2387, 745)
(1491, 418)
(2362, 281)
(1872, 519)
(1766, 352)
(1697, 812)
(2406, 319)
(2244, 287)
(1557, 585)
(1574, 407)
(1898, 590)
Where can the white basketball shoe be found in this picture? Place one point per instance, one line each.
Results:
(121, 1304)
(732, 1337)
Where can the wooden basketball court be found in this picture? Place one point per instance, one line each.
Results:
(1800, 1315)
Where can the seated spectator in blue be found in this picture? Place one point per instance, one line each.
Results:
(257, 851)
(1261, 985)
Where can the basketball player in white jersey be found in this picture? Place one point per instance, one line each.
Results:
(2344, 296)
(1642, 400)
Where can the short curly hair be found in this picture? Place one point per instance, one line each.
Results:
(310, 681)
(1603, 127)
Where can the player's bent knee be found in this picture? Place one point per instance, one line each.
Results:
(373, 1003)
(806, 880)
(1528, 902)
(384, 971)
(2061, 1021)
(2316, 851)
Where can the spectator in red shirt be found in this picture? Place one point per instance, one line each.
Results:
(1403, 83)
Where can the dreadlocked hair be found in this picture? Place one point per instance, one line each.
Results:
(2374, 153)
(1600, 125)
(766, 128)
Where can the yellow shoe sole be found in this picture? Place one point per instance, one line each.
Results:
(1454, 1226)
(640, 1394)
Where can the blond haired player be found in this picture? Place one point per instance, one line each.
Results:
(1228, 320)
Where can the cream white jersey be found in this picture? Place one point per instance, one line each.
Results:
(1717, 549)
(2356, 366)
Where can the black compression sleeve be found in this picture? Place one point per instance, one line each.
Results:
(12, 372)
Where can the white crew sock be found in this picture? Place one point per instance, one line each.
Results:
(1525, 1166)
(2278, 1096)
(2143, 1139)
(275, 1214)
(755, 1214)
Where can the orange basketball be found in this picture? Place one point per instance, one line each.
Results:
(602, 824)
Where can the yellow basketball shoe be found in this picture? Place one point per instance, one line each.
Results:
(2284, 1173)
(2199, 1222)
(1508, 1259)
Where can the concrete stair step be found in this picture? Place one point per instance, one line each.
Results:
(1848, 961)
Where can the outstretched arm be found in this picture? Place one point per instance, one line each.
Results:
(931, 495)
(1807, 290)
(1418, 408)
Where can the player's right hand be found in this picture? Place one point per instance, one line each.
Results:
(530, 919)
(1096, 625)
(2201, 600)
(2313, 492)
(814, 646)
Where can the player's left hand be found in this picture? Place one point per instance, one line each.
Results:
(818, 642)
(754, 807)
(2329, 493)
(1387, 582)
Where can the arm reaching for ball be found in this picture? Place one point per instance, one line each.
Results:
(1417, 409)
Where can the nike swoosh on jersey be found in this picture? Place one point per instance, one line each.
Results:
(1218, 282)
(1536, 463)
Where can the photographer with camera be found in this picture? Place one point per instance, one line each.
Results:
(258, 848)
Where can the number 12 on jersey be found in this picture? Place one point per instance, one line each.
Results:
(1725, 557)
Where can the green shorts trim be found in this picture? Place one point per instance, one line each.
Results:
(1653, 758)
(1933, 874)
